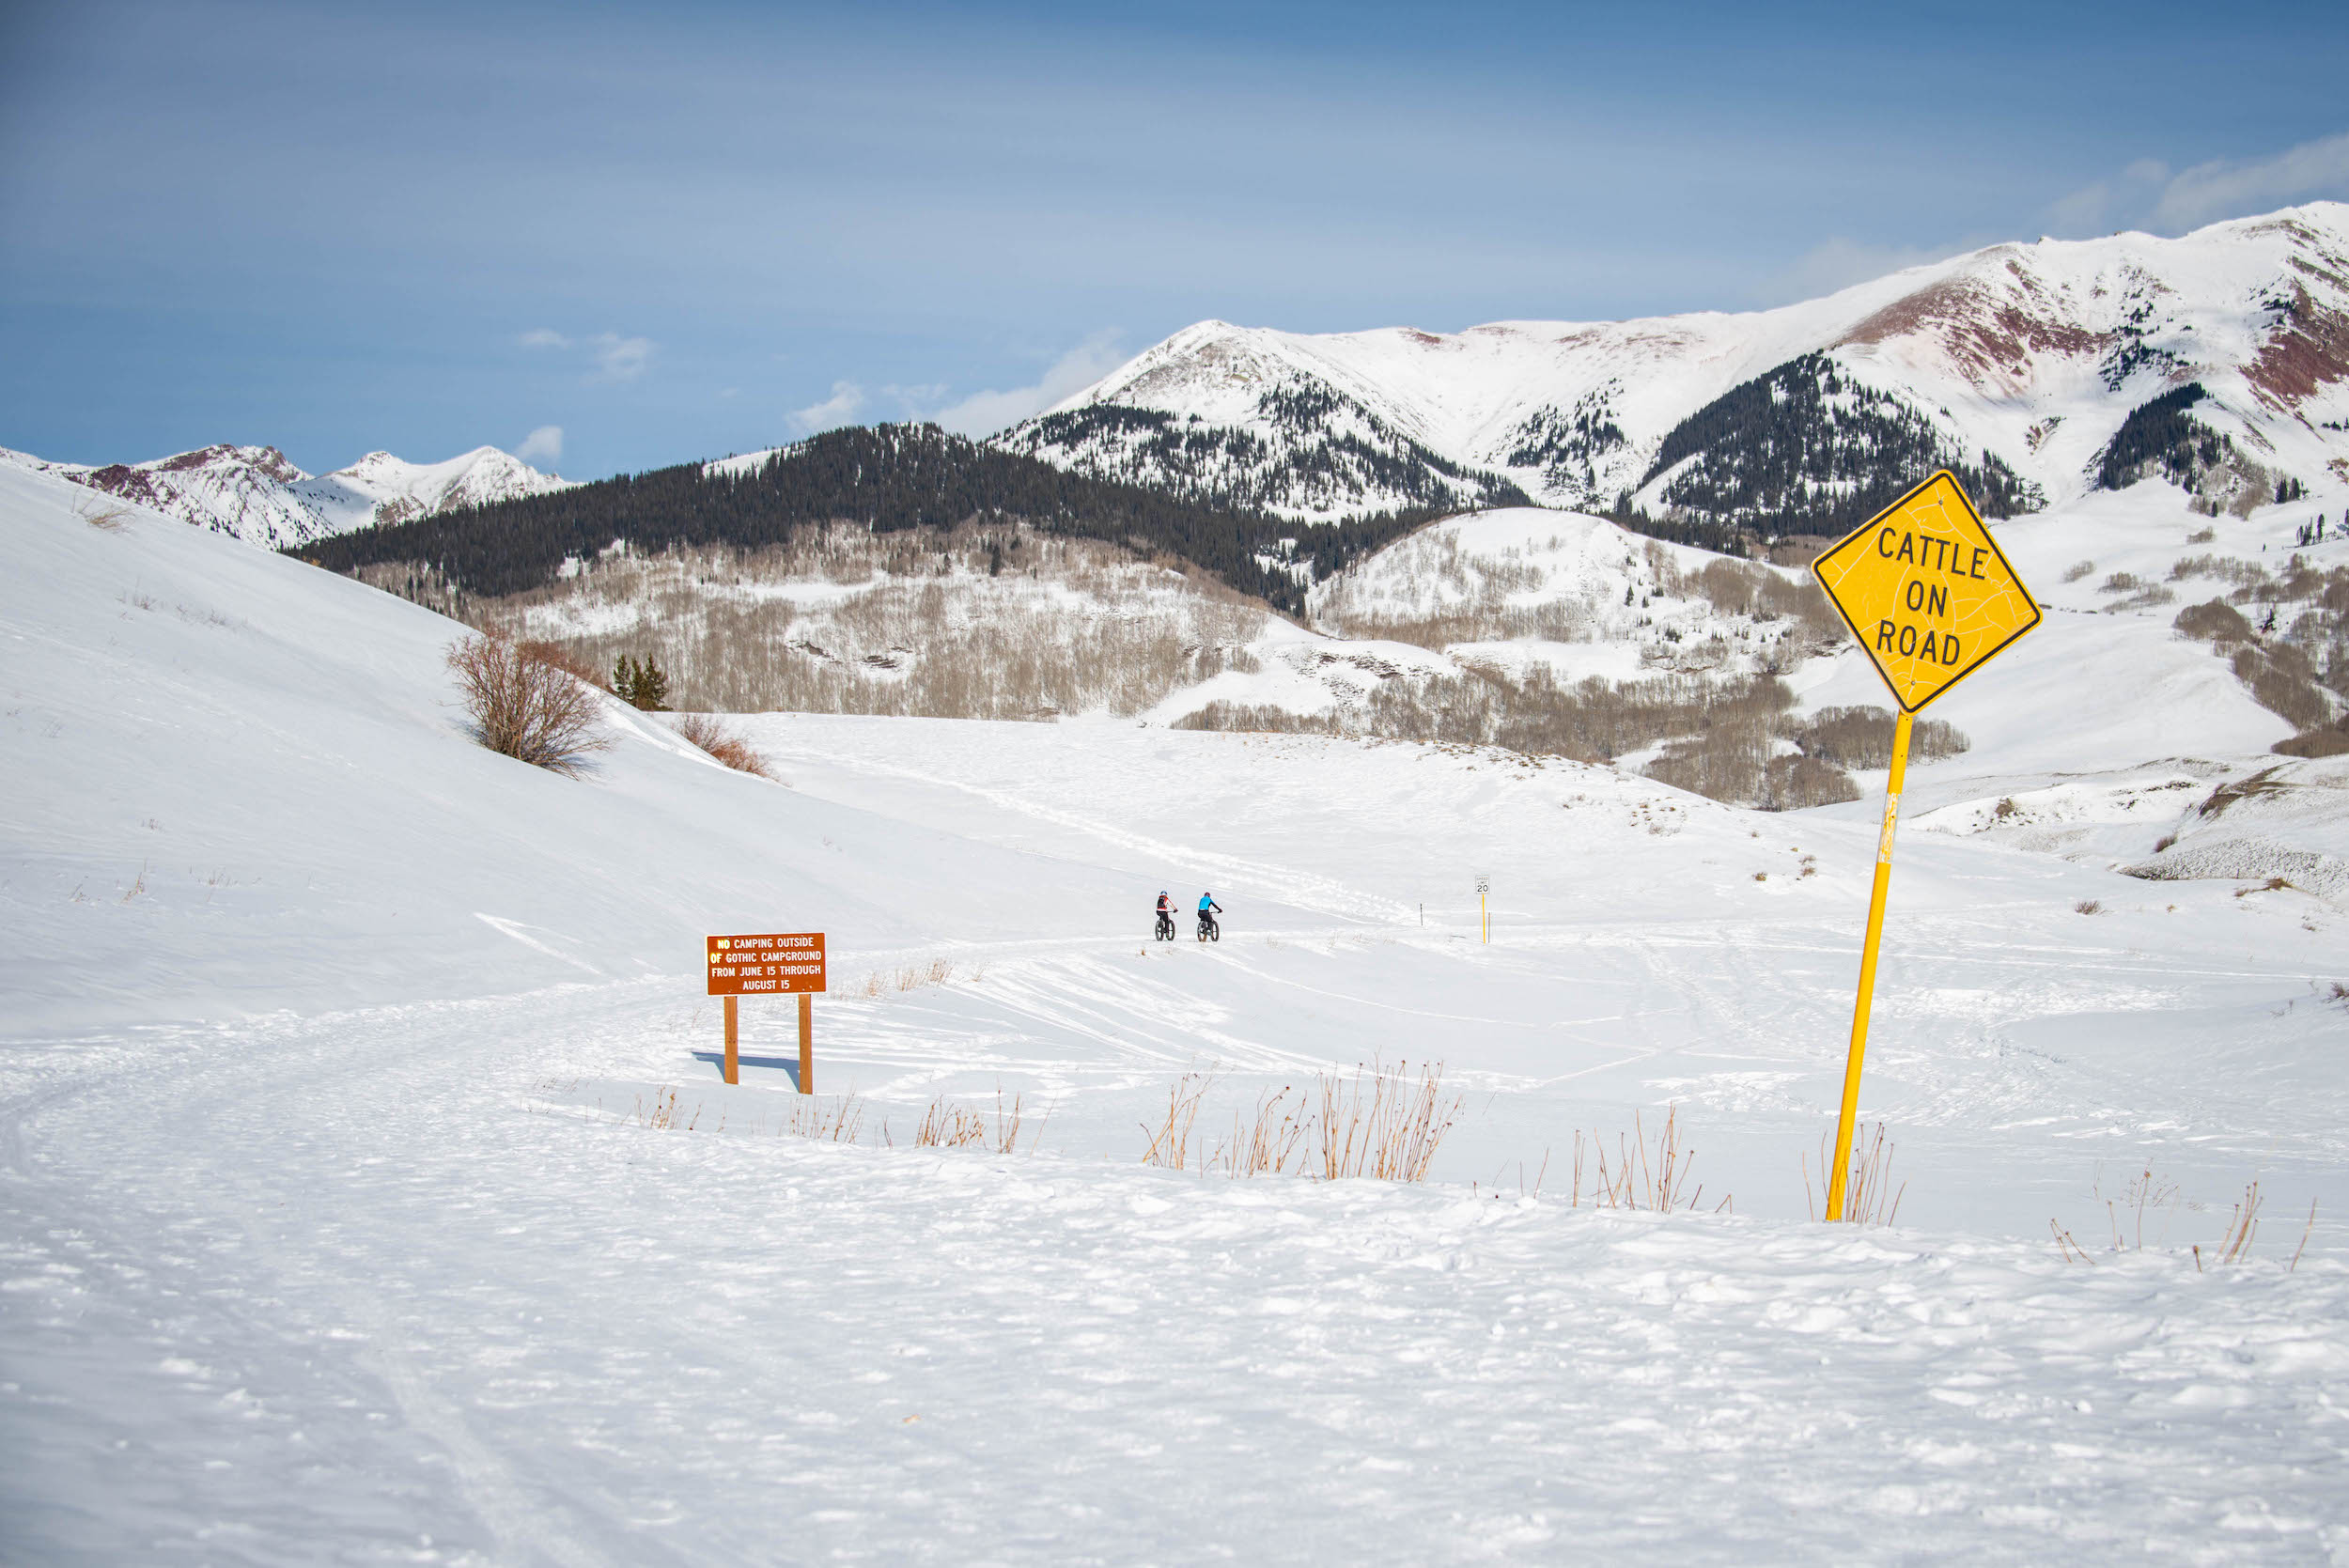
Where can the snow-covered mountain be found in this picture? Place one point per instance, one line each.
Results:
(256, 494)
(2019, 364)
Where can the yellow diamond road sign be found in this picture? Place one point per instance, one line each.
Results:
(1927, 591)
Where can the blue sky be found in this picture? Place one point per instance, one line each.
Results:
(617, 237)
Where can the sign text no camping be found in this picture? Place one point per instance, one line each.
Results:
(774, 963)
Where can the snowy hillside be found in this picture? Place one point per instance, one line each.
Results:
(370, 1192)
(2019, 363)
(255, 494)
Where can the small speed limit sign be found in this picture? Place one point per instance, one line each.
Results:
(1482, 886)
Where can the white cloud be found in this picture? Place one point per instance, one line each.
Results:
(913, 400)
(542, 447)
(2208, 192)
(2109, 204)
(983, 413)
(621, 359)
(833, 411)
(2147, 195)
(1840, 263)
(616, 358)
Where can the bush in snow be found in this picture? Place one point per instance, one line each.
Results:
(723, 744)
(524, 706)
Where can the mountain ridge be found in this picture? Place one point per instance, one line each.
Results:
(257, 494)
(2024, 358)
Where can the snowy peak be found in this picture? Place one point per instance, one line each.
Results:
(380, 488)
(256, 494)
(1258, 420)
(2020, 362)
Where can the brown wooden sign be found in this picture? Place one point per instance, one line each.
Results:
(773, 964)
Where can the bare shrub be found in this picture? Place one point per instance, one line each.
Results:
(2243, 1228)
(2145, 1192)
(103, 515)
(2078, 569)
(2281, 682)
(1862, 737)
(524, 707)
(664, 1115)
(1868, 1196)
(1379, 1123)
(948, 1125)
(1718, 730)
(2152, 595)
(1798, 783)
(906, 977)
(1387, 1126)
(2088, 907)
(1270, 1140)
(721, 744)
(1170, 1141)
(1645, 1173)
(1257, 719)
(837, 1122)
(2331, 740)
(2201, 537)
(2213, 621)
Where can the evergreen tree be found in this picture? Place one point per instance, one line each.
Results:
(644, 685)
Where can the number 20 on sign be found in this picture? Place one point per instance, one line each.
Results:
(1932, 598)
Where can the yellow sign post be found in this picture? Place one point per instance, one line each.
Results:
(1932, 598)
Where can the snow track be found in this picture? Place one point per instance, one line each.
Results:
(368, 1192)
(366, 1270)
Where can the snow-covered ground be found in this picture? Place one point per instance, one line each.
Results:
(368, 1192)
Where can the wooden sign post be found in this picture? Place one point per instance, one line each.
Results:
(769, 964)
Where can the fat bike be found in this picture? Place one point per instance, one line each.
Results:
(1166, 927)
(1209, 930)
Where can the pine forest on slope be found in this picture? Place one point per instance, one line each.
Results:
(885, 479)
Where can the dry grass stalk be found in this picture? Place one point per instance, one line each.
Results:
(524, 707)
(1170, 1142)
(2145, 1190)
(2241, 1229)
(2067, 1247)
(103, 515)
(1645, 1173)
(948, 1125)
(908, 977)
(1266, 1145)
(664, 1115)
(1868, 1196)
(721, 744)
(1386, 1126)
(840, 1121)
